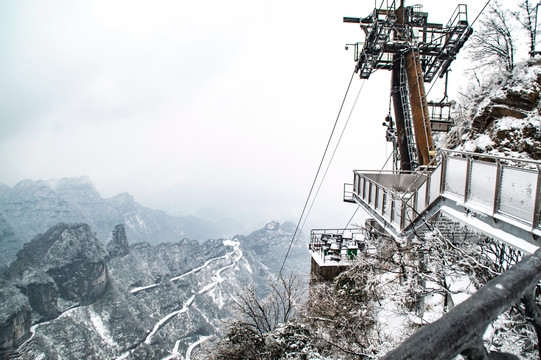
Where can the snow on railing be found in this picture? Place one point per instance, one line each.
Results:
(460, 330)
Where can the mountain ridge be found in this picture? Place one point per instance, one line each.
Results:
(30, 207)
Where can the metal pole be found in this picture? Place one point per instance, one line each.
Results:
(537, 204)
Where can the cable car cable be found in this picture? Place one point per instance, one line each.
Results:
(317, 173)
(332, 157)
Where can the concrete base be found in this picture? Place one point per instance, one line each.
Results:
(325, 272)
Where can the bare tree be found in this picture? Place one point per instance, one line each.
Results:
(263, 315)
(247, 337)
(527, 17)
(494, 45)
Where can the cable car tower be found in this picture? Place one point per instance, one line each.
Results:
(400, 38)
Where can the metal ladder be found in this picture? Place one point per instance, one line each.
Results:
(404, 94)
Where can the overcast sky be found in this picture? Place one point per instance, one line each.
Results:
(193, 107)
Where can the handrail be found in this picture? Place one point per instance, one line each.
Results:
(460, 330)
(512, 192)
(460, 10)
(490, 156)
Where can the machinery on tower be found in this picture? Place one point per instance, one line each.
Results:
(399, 38)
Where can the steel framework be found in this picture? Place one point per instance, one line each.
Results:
(437, 44)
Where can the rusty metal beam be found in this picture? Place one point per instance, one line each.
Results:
(405, 159)
(419, 108)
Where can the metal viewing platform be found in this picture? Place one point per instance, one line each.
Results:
(497, 196)
(333, 250)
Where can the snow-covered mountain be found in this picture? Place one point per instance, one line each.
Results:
(31, 207)
(147, 301)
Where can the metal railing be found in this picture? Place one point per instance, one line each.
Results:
(459, 17)
(460, 330)
(503, 188)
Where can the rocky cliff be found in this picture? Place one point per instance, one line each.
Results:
(61, 269)
(118, 246)
(159, 301)
(501, 116)
(15, 318)
(271, 243)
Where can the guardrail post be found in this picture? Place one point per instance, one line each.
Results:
(402, 214)
(428, 186)
(499, 170)
(468, 178)
(427, 189)
(376, 198)
(537, 204)
(391, 214)
(443, 172)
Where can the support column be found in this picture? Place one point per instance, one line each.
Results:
(405, 161)
(419, 108)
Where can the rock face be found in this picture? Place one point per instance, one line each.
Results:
(10, 243)
(271, 243)
(505, 116)
(118, 246)
(159, 299)
(64, 267)
(15, 318)
(32, 207)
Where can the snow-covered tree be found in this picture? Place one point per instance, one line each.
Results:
(527, 17)
(493, 45)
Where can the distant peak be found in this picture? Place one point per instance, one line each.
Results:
(70, 181)
(273, 225)
(26, 183)
(124, 196)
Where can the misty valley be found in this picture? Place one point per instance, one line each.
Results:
(86, 277)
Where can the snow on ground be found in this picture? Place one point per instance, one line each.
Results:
(481, 142)
(166, 318)
(210, 288)
(141, 288)
(193, 271)
(100, 328)
(174, 354)
(461, 287)
(392, 318)
(201, 340)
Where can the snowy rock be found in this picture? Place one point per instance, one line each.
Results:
(271, 243)
(119, 245)
(10, 243)
(68, 254)
(502, 116)
(15, 318)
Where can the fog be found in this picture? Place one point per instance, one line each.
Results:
(219, 109)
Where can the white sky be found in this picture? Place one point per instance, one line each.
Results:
(194, 107)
